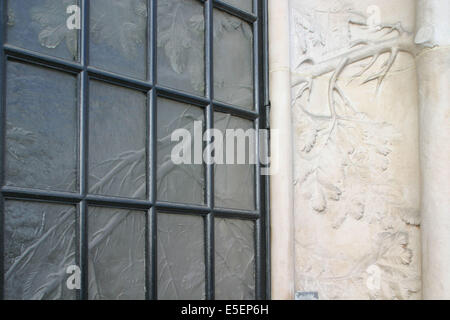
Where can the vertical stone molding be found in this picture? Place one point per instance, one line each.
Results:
(282, 224)
(433, 69)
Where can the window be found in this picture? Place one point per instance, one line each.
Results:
(86, 173)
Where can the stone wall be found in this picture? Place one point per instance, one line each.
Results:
(356, 146)
(368, 158)
(433, 69)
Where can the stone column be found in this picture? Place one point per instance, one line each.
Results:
(282, 226)
(433, 69)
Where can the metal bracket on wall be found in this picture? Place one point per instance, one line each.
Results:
(267, 109)
(299, 295)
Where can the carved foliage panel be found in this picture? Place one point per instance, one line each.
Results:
(357, 226)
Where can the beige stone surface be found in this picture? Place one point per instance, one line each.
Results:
(434, 77)
(369, 95)
(356, 149)
(282, 224)
(433, 69)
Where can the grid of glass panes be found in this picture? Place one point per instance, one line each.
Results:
(86, 175)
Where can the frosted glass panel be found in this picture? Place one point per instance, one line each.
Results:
(181, 41)
(235, 259)
(183, 183)
(181, 265)
(117, 141)
(246, 5)
(41, 25)
(233, 60)
(40, 244)
(41, 128)
(118, 36)
(234, 184)
(116, 254)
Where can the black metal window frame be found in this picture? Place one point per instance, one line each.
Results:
(84, 72)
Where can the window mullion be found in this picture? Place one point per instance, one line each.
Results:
(209, 234)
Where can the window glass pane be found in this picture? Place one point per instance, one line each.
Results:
(246, 5)
(182, 182)
(233, 60)
(40, 245)
(42, 150)
(116, 254)
(41, 25)
(41, 128)
(181, 257)
(181, 41)
(234, 182)
(235, 259)
(118, 33)
(117, 141)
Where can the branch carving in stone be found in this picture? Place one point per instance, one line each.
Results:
(354, 140)
(344, 165)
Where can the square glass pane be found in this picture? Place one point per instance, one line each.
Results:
(117, 141)
(42, 26)
(246, 5)
(234, 259)
(233, 60)
(41, 128)
(40, 244)
(181, 257)
(181, 45)
(234, 180)
(118, 36)
(179, 178)
(116, 254)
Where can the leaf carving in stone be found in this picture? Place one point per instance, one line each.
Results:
(344, 166)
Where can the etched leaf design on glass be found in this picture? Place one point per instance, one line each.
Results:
(121, 24)
(117, 141)
(11, 18)
(41, 128)
(235, 259)
(40, 244)
(183, 183)
(234, 184)
(180, 43)
(233, 60)
(42, 26)
(118, 35)
(116, 254)
(181, 265)
(53, 22)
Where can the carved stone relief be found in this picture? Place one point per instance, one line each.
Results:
(355, 145)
